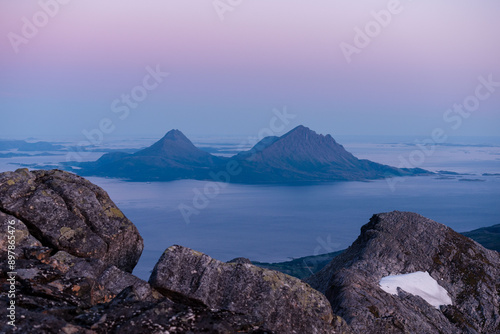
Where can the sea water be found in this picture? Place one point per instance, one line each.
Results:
(271, 223)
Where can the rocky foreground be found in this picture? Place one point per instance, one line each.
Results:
(76, 250)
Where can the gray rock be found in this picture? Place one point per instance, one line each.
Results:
(240, 260)
(126, 315)
(66, 212)
(399, 243)
(34, 322)
(21, 236)
(74, 249)
(115, 281)
(285, 304)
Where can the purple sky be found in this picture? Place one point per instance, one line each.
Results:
(227, 76)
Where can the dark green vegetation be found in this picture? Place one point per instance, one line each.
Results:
(489, 237)
(302, 267)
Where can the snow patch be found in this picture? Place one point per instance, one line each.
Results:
(419, 284)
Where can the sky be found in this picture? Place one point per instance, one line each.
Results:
(65, 66)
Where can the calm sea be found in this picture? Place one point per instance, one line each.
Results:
(277, 223)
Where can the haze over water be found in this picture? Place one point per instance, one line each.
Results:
(275, 223)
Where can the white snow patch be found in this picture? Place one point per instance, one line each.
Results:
(419, 284)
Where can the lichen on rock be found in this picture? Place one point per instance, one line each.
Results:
(284, 303)
(400, 243)
(66, 212)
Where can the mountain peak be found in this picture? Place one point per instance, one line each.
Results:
(310, 145)
(174, 135)
(175, 145)
(304, 133)
(301, 151)
(300, 130)
(300, 155)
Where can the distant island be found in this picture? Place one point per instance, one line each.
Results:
(25, 146)
(299, 156)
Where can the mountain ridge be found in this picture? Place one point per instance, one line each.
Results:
(172, 157)
(301, 155)
(297, 142)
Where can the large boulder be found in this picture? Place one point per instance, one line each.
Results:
(74, 252)
(284, 304)
(401, 243)
(65, 212)
(74, 249)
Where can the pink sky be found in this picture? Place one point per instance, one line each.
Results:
(264, 54)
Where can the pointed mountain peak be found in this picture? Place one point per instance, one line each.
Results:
(174, 145)
(303, 133)
(175, 135)
(300, 130)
